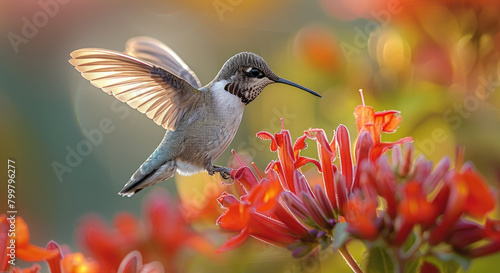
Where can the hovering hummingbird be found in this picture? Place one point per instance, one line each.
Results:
(201, 121)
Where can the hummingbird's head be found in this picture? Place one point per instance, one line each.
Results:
(247, 74)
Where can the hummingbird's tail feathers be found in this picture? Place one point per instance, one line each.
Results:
(141, 180)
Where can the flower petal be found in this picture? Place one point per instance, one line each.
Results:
(364, 145)
(322, 199)
(492, 229)
(246, 177)
(286, 157)
(480, 200)
(314, 211)
(33, 269)
(132, 263)
(365, 116)
(298, 209)
(437, 175)
(302, 160)
(270, 230)
(226, 200)
(326, 157)
(301, 184)
(361, 215)
(295, 227)
(153, 267)
(414, 207)
(235, 217)
(465, 233)
(235, 241)
(267, 136)
(299, 145)
(22, 233)
(388, 121)
(454, 209)
(32, 253)
(344, 147)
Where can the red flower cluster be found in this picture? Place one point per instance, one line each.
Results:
(15, 245)
(436, 200)
(379, 196)
(162, 236)
(121, 249)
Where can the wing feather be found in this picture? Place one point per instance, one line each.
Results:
(133, 81)
(156, 52)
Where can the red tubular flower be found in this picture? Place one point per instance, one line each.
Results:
(379, 176)
(291, 222)
(251, 215)
(364, 145)
(361, 214)
(413, 209)
(491, 232)
(326, 152)
(376, 123)
(344, 144)
(55, 262)
(258, 226)
(289, 158)
(414, 206)
(25, 251)
(464, 233)
(468, 194)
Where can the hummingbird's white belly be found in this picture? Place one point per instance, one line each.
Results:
(186, 168)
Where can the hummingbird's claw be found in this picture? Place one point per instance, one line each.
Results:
(224, 171)
(225, 175)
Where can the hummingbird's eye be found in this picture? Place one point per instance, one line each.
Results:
(254, 72)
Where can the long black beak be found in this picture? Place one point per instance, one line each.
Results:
(285, 81)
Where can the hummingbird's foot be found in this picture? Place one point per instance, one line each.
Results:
(224, 171)
(225, 175)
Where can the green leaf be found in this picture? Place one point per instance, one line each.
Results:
(449, 262)
(458, 260)
(410, 241)
(340, 235)
(412, 266)
(379, 261)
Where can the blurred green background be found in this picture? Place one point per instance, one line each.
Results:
(438, 62)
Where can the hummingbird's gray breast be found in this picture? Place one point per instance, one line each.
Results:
(229, 111)
(210, 129)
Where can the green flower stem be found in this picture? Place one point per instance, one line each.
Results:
(349, 259)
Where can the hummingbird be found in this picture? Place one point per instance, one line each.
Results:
(201, 121)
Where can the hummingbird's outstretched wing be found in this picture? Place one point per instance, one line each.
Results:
(157, 53)
(161, 95)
